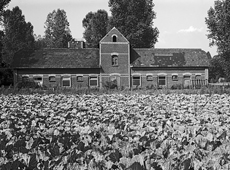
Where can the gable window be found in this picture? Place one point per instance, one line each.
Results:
(174, 77)
(161, 80)
(114, 60)
(52, 79)
(66, 82)
(136, 80)
(38, 79)
(93, 81)
(79, 78)
(114, 37)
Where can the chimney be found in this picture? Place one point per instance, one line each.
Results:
(76, 44)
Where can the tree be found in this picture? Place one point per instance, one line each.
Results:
(135, 21)
(57, 33)
(216, 70)
(95, 25)
(40, 42)
(3, 4)
(218, 24)
(18, 34)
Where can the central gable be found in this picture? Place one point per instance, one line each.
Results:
(114, 36)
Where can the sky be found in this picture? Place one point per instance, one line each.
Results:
(181, 23)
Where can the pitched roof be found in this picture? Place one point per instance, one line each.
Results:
(169, 57)
(58, 58)
(114, 31)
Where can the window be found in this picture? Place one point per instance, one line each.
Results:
(149, 78)
(175, 77)
(114, 60)
(93, 81)
(136, 80)
(25, 78)
(161, 80)
(114, 38)
(198, 77)
(187, 77)
(38, 79)
(79, 78)
(52, 79)
(66, 82)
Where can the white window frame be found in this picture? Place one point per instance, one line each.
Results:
(148, 75)
(40, 82)
(65, 78)
(52, 75)
(25, 76)
(79, 75)
(158, 80)
(136, 75)
(94, 77)
(175, 74)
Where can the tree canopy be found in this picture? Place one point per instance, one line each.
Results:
(18, 34)
(216, 70)
(57, 32)
(3, 4)
(95, 25)
(218, 23)
(135, 21)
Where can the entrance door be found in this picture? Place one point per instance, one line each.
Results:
(115, 81)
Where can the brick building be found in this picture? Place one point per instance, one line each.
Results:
(113, 61)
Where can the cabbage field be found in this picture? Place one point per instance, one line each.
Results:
(115, 131)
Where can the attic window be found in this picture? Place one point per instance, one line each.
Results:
(114, 37)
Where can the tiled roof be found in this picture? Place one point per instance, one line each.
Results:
(58, 58)
(171, 57)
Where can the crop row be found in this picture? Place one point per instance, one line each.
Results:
(116, 131)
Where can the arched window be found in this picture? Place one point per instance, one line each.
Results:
(114, 38)
(114, 60)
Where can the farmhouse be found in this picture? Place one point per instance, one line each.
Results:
(114, 61)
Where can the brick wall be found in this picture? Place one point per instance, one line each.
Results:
(169, 82)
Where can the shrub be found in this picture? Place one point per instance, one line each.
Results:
(27, 84)
(111, 85)
(177, 87)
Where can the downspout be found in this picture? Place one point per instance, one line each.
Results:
(100, 77)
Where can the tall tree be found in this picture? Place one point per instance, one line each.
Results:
(18, 34)
(218, 23)
(3, 4)
(216, 70)
(95, 25)
(57, 32)
(40, 42)
(135, 21)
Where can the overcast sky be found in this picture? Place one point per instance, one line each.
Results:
(181, 22)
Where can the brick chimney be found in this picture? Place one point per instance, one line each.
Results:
(76, 44)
